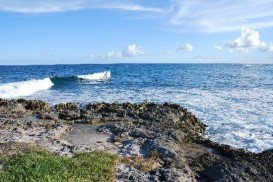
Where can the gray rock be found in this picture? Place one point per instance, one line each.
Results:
(151, 132)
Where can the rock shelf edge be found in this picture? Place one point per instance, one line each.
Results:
(155, 142)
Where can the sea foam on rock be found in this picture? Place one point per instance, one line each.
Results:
(155, 142)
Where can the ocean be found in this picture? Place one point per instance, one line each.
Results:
(235, 101)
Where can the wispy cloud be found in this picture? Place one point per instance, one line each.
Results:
(184, 15)
(221, 15)
(48, 6)
(219, 48)
(249, 39)
(187, 47)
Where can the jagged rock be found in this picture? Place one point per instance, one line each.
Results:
(66, 106)
(35, 105)
(47, 115)
(167, 131)
(70, 115)
(129, 173)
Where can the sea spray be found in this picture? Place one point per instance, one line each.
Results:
(24, 88)
(96, 76)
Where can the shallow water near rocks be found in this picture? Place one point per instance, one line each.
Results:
(234, 100)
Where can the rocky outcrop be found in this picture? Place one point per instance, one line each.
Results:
(66, 106)
(155, 142)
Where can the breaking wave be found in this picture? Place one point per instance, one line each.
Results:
(93, 78)
(96, 76)
(24, 88)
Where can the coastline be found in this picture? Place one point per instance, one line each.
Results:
(167, 135)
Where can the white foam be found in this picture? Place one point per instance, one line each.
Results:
(242, 118)
(96, 76)
(24, 88)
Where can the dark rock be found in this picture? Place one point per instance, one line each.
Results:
(169, 132)
(70, 115)
(46, 115)
(66, 106)
(35, 105)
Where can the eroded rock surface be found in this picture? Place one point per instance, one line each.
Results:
(155, 142)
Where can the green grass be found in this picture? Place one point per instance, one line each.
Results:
(40, 166)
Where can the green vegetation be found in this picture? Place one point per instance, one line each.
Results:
(41, 166)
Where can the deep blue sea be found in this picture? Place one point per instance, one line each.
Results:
(235, 101)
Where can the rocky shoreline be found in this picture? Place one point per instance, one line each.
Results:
(155, 142)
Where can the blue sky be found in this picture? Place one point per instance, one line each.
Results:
(135, 31)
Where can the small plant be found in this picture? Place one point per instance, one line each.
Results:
(145, 165)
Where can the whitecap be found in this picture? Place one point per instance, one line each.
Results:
(24, 88)
(96, 76)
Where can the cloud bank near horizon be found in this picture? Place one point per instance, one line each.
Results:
(130, 51)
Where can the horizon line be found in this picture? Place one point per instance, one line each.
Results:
(134, 63)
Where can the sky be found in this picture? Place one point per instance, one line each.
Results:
(135, 31)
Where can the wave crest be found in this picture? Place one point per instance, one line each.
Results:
(24, 88)
(96, 76)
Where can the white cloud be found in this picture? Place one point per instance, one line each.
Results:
(249, 39)
(91, 55)
(113, 55)
(267, 47)
(187, 47)
(48, 6)
(221, 15)
(132, 50)
(131, 7)
(219, 48)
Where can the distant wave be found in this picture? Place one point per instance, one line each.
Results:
(96, 76)
(24, 88)
(61, 81)
(93, 78)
